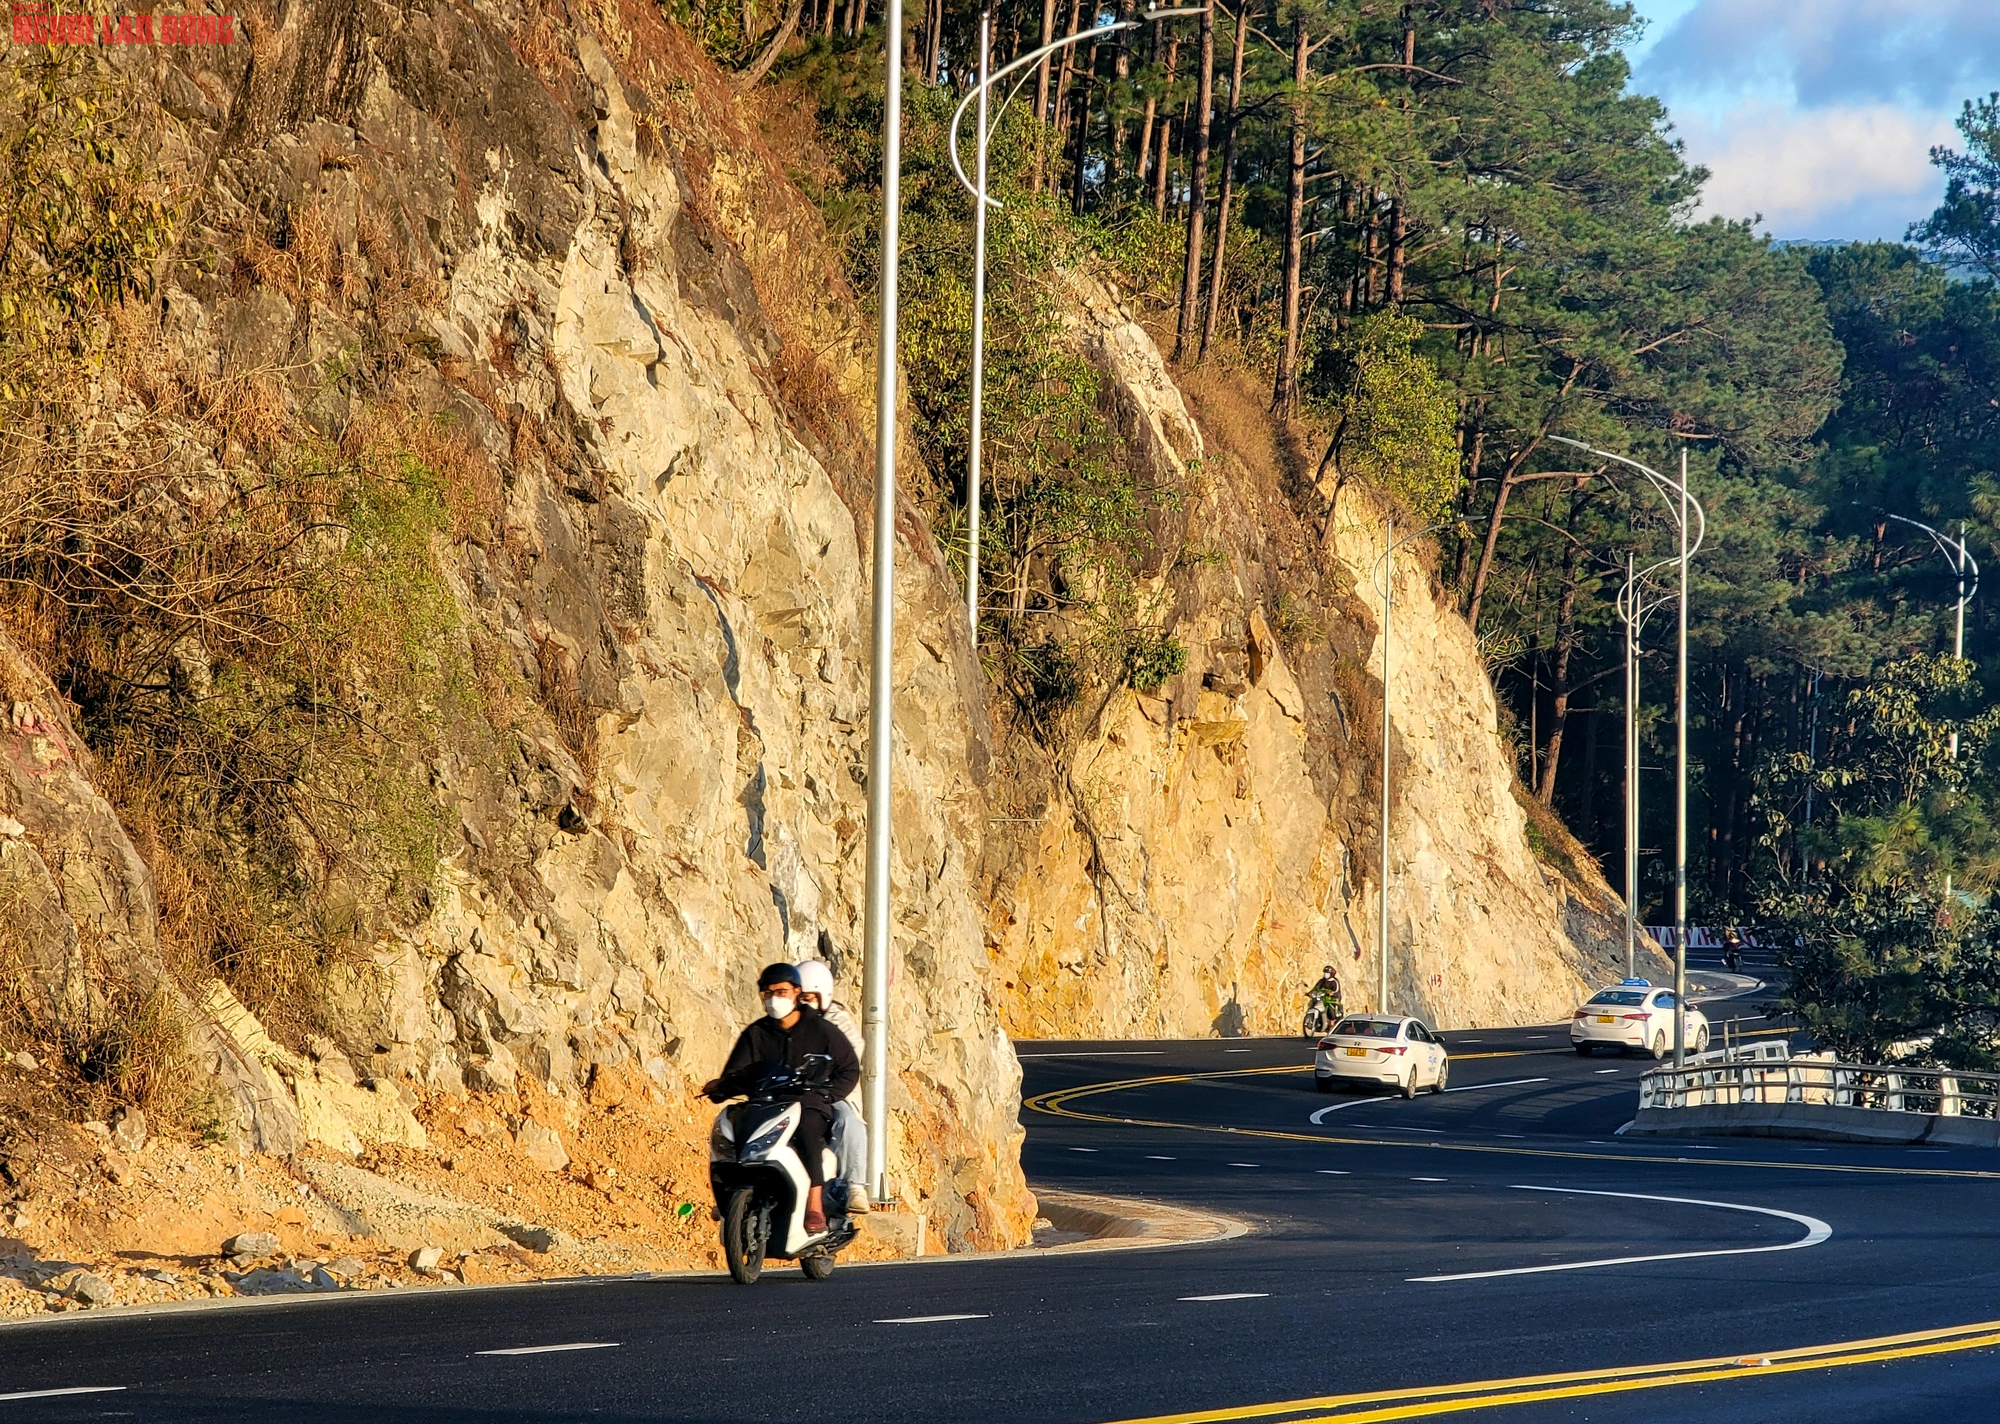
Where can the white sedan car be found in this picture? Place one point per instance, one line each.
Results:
(1633, 1014)
(1381, 1051)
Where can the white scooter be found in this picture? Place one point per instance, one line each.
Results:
(760, 1181)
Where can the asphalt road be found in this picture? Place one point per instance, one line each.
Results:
(1332, 1295)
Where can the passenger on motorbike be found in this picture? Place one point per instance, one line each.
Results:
(850, 1129)
(789, 1033)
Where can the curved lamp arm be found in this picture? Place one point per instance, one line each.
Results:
(1953, 549)
(1669, 489)
(1027, 59)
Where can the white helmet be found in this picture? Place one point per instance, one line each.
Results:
(816, 978)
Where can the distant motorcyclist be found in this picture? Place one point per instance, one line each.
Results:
(850, 1129)
(1323, 1002)
(789, 1033)
(1732, 949)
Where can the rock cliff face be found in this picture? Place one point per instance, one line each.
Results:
(1210, 845)
(553, 232)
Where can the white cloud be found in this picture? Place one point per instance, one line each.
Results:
(1829, 53)
(1858, 171)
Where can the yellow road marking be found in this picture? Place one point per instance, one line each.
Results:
(1056, 1104)
(1492, 1394)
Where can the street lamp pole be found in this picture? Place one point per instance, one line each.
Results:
(1693, 522)
(1382, 888)
(1681, 796)
(978, 339)
(983, 200)
(1384, 575)
(1961, 560)
(882, 639)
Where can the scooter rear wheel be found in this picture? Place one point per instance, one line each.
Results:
(817, 1268)
(743, 1237)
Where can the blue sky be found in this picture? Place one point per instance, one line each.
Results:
(1818, 114)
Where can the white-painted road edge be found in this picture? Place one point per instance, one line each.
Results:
(73, 1389)
(1230, 1295)
(1816, 1232)
(552, 1349)
(927, 1319)
(1318, 1116)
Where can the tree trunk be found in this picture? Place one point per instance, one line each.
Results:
(1399, 231)
(1204, 104)
(1121, 70)
(1042, 93)
(935, 26)
(747, 80)
(1493, 519)
(1565, 645)
(1084, 84)
(1160, 164)
(1215, 266)
(1284, 393)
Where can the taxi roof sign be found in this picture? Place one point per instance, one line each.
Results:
(1635, 983)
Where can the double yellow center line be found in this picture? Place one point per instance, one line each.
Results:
(1391, 1404)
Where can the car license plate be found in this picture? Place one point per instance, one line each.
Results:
(1606, 1018)
(1357, 1053)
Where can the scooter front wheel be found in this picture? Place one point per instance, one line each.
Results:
(743, 1236)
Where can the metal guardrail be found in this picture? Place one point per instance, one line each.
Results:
(1743, 1076)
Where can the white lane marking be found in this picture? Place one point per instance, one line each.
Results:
(552, 1349)
(1230, 1295)
(1517, 1136)
(1430, 1179)
(1083, 1149)
(1151, 1157)
(1318, 1116)
(1333, 1172)
(1384, 1127)
(1113, 1053)
(1510, 1083)
(1235, 1050)
(1537, 1035)
(1243, 1164)
(1816, 1232)
(1602, 1071)
(73, 1389)
(928, 1319)
(1624, 1127)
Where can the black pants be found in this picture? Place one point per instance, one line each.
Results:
(809, 1140)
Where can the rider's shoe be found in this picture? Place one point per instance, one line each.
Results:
(815, 1221)
(857, 1200)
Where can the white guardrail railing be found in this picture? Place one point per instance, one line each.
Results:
(1767, 1075)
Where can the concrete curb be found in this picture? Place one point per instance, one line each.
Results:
(1111, 1224)
(1815, 1122)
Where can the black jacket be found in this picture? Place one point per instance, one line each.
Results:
(766, 1041)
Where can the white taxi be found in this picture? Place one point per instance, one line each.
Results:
(1633, 1014)
(1380, 1050)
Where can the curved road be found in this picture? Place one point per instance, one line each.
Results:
(1493, 1252)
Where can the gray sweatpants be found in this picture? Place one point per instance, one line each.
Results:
(850, 1141)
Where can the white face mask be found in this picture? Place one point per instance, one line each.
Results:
(779, 1008)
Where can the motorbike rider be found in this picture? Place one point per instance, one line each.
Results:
(788, 1033)
(850, 1130)
(1732, 949)
(1329, 984)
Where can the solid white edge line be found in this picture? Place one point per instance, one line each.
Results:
(73, 1389)
(1816, 1232)
(1510, 1083)
(1229, 1295)
(1318, 1116)
(928, 1319)
(1112, 1053)
(553, 1349)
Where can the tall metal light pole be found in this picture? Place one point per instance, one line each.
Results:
(978, 337)
(1382, 889)
(1690, 510)
(1961, 559)
(1384, 575)
(882, 639)
(982, 200)
(1681, 796)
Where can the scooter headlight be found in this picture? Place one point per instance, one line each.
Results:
(721, 1140)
